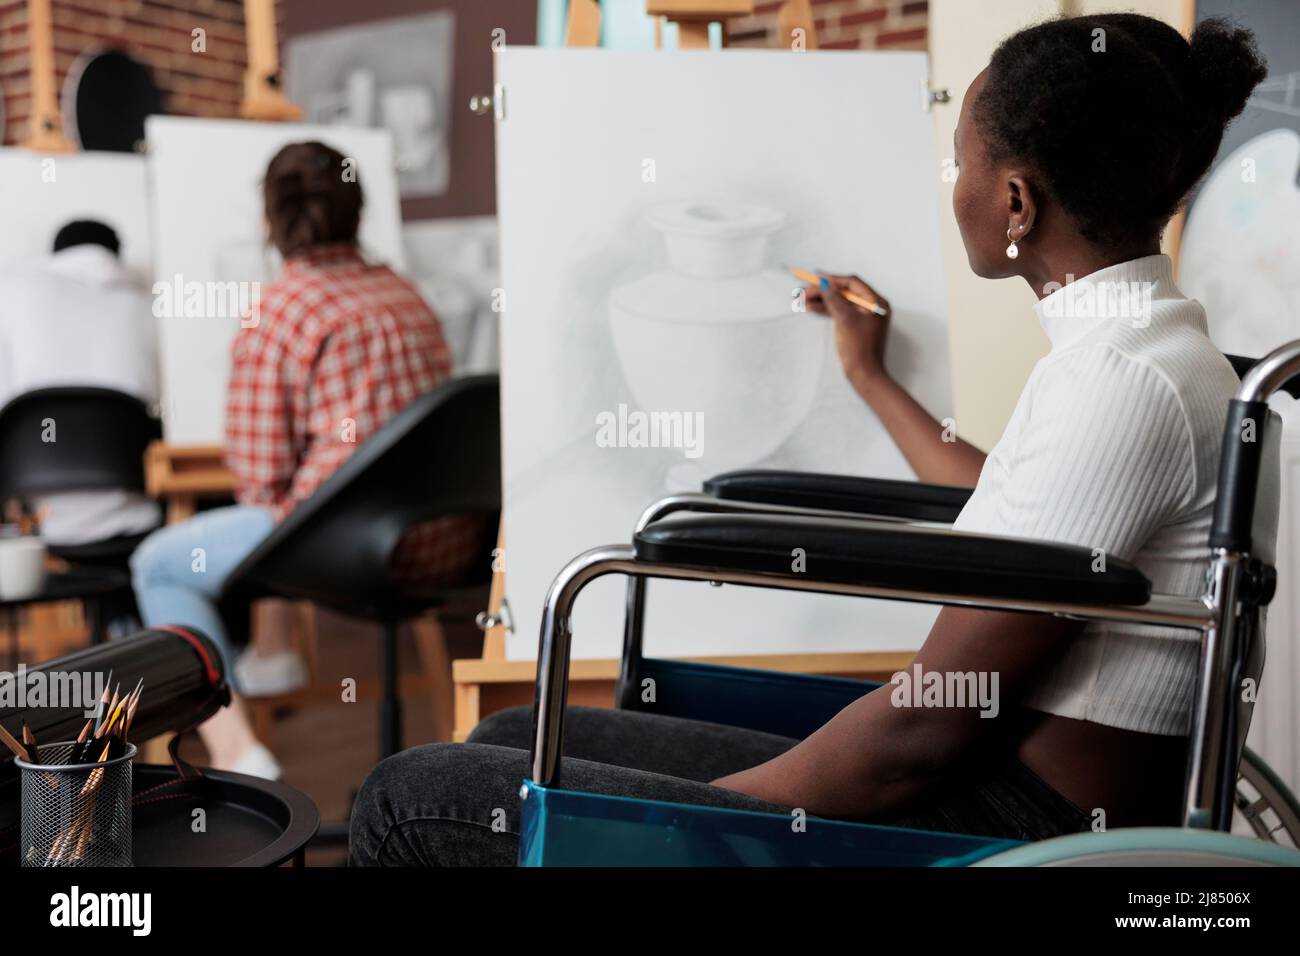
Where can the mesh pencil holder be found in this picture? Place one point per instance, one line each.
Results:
(76, 814)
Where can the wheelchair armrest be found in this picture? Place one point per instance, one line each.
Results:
(913, 500)
(885, 554)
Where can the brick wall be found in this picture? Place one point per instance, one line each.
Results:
(845, 24)
(156, 32)
(14, 85)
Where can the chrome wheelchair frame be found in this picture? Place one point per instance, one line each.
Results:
(1227, 615)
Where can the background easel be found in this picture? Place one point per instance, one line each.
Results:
(694, 16)
(46, 134)
(491, 683)
(263, 97)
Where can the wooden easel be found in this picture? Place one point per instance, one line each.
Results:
(46, 134)
(263, 97)
(490, 683)
(694, 16)
(795, 26)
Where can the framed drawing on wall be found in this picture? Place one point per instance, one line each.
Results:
(395, 74)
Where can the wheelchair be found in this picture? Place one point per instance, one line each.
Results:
(887, 539)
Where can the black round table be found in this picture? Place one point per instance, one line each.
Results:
(246, 821)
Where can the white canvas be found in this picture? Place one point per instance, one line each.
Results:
(820, 160)
(42, 193)
(207, 208)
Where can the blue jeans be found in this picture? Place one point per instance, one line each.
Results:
(178, 571)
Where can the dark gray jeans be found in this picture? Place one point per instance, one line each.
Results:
(458, 804)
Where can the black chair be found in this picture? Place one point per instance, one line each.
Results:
(100, 436)
(79, 438)
(438, 457)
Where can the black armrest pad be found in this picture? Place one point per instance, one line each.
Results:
(867, 496)
(853, 551)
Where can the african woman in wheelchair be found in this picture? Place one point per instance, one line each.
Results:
(1071, 163)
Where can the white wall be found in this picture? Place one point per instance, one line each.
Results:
(993, 333)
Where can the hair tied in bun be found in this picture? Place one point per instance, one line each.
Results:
(305, 204)
(1226, 66)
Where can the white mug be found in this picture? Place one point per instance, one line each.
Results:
(22, 568)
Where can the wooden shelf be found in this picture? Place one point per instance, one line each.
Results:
(182, 474)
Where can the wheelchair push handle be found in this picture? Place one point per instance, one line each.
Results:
(1244, 445)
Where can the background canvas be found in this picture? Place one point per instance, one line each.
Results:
(210, 172)
(110, 187)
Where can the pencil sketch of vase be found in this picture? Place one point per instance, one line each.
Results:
(716, 334)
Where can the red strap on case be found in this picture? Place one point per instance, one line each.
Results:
(210, 669)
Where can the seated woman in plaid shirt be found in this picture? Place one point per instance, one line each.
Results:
(339, 348)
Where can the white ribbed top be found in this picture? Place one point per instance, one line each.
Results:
(1114, 444)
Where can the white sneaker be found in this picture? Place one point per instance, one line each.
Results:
(257, 761)
(270, 675)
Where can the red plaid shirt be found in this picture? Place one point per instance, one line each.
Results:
(341, 346)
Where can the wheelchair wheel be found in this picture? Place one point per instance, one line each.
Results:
(1148, 846)
(1266, 803)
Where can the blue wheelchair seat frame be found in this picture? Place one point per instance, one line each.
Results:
(860, 536)
(567, 828)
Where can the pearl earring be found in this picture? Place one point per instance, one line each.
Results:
(1012, 251)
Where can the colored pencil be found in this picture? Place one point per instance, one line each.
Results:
(29, 740)
(871, 305)
(11, 742)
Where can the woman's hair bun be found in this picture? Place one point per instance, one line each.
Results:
(1226, 66)
(1120, 131)
(312, 198)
